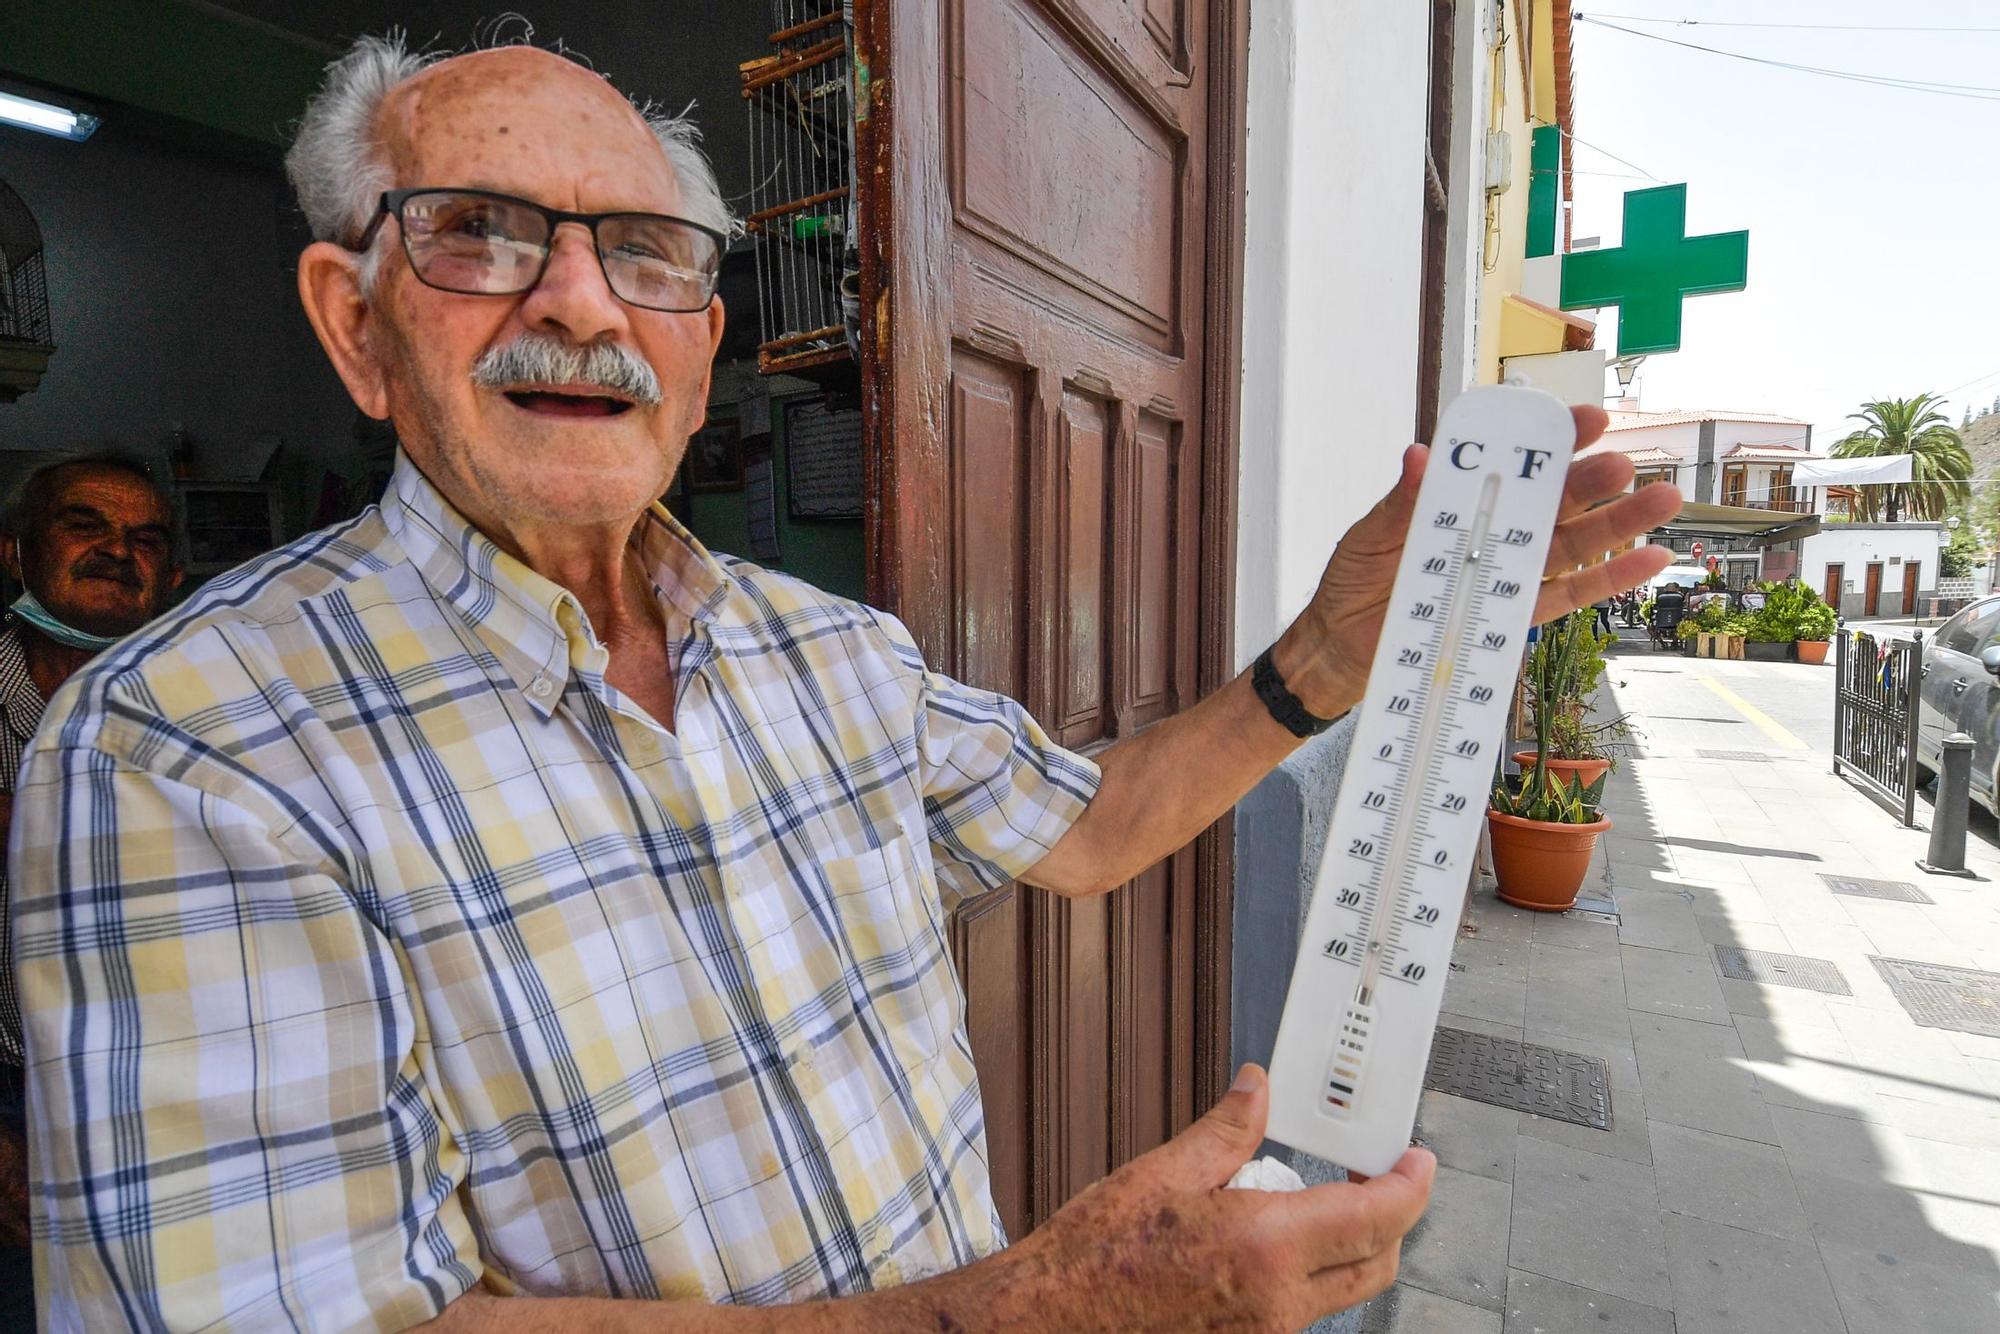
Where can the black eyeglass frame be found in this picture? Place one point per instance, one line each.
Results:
(390, 205)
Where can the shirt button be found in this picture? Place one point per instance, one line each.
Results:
(802, 1059)
(541, 687)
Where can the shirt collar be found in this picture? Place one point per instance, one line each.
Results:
(535, 627)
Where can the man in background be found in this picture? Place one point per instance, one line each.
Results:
(91, 542)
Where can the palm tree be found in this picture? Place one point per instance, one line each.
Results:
(1940, 469)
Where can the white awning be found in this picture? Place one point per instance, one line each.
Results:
(1852, 472)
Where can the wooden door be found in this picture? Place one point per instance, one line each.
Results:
(1871, 595)
(1053, 210)
(1735, 484)
(1910, 573)
(1835, 577)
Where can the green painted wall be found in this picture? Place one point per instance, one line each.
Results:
(827, 553)
(236, 84)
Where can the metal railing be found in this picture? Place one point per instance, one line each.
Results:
(1877, 696)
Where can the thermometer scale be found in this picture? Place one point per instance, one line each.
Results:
(1356, 1033)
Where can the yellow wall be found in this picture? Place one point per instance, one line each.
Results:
(1526, 23)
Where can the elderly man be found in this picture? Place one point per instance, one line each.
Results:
(501, 896)
(90, 542)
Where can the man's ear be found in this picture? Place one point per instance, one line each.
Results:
(174, 578)
(716, 318)
(330, 290)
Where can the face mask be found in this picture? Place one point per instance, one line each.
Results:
(34, 613)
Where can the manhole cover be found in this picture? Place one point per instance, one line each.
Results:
(1740, 756)
(1899, 891)
(1781, 970)
(1525, 1076)
(1965, 1000)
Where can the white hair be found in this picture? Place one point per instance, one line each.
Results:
(339, 165)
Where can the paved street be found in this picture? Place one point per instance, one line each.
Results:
(1778, 1159)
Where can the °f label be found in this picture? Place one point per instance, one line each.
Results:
(1364, 997)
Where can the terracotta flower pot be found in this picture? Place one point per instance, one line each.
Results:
(1814, 650)
(1539, 865)
(1564, 770)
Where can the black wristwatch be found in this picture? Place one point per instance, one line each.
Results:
(1282, 703)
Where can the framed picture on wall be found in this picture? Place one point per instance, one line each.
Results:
(715, 456)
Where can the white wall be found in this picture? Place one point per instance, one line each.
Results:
(1681, 440)
(1855, 545)
(1472, 82)
(172, 296)
(1332, 272)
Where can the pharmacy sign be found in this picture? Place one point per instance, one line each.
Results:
(1654, 269)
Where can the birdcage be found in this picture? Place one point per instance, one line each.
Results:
(801, 108)
(26, 338)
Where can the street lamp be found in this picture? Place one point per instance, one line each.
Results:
(1626, 368)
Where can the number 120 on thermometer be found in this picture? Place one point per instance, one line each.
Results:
(1356, 1033)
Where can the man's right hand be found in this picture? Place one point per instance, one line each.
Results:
(1159, 1243)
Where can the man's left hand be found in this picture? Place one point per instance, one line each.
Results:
(1325, 655)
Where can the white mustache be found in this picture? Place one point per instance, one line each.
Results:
(543, 359)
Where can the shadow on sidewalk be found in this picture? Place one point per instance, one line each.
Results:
(1872, 1214)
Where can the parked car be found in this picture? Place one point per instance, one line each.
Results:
(1687, 576)
(1961, 693)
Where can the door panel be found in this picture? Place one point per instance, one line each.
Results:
(1041, 310)
(1871, 599)
(1064, 169)
(1911, 579)
(989, 418)
(990, 929)
(1835, 574)
(1088, 427)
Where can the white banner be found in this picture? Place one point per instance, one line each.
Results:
(1852, 472)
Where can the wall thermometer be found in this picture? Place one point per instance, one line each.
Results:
(1364, 997)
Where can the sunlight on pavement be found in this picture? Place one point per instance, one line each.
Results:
(1761, 720)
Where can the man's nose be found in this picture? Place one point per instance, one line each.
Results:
(572, 296)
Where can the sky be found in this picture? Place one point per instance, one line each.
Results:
(1873, 212)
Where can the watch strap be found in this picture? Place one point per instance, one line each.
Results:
(1282, 703)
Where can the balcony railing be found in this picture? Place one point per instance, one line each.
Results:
(1784, 504)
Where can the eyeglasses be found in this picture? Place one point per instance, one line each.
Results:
(480, 243)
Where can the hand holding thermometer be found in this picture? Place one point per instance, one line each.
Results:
(1364, 996)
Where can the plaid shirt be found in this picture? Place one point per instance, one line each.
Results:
(372, 946)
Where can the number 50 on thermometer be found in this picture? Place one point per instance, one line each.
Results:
(1364, 997)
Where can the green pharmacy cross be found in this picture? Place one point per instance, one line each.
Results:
(1658, 266)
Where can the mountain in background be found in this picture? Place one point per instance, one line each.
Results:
(1982, 441)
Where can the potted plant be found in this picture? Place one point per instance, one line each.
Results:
(1545, 831)
(1816, 626)
(1717, 631)
(1577, 745)
(1772, 629)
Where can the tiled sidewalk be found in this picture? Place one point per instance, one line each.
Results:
(1778, 1159)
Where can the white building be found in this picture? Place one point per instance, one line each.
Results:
(1718, 458)
(1745, 460)
(1739, 459)
(1866, 570)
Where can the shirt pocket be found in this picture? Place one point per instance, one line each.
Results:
(894, 932)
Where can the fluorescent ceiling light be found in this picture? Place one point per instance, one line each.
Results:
(29, 114)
